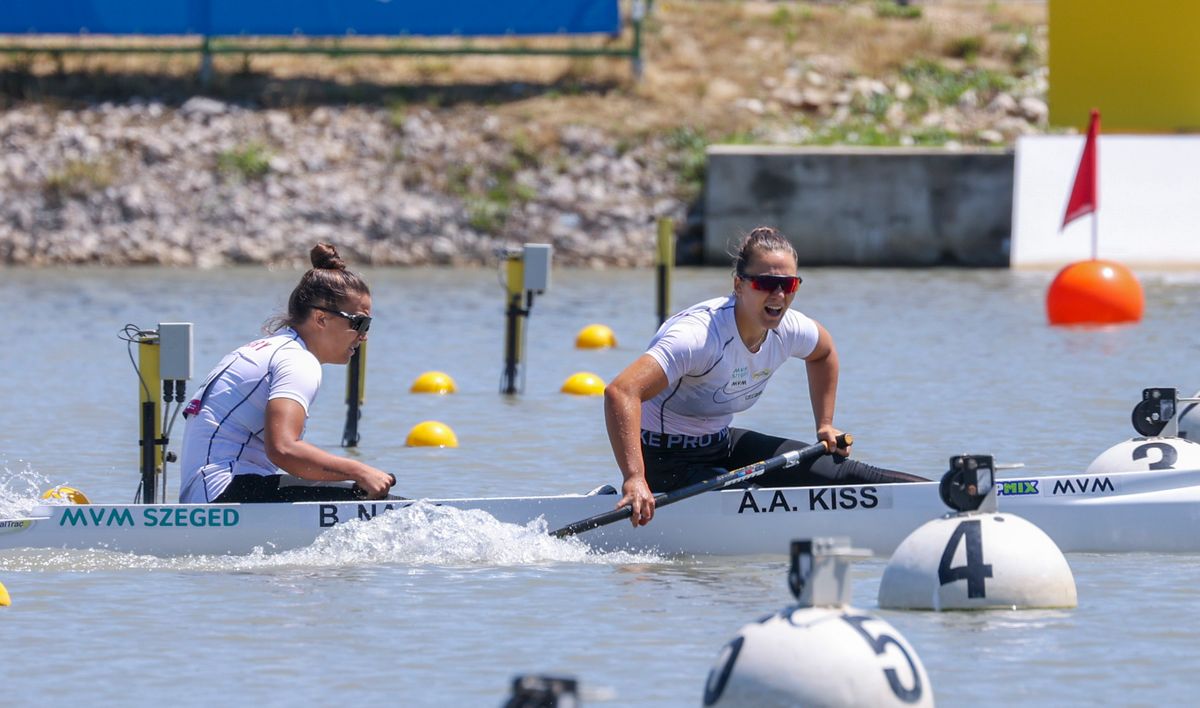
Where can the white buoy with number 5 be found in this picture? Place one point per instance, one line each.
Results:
(978, 558)
(820, 651)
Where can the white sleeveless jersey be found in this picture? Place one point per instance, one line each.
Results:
(710, 373)
(226, 417)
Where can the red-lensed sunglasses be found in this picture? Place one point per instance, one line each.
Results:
(770, 283)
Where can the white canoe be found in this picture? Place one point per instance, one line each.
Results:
(1149, 511)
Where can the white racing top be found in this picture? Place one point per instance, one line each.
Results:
(710, 373)
(227, 415)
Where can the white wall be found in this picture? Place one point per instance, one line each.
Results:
(1149, 194)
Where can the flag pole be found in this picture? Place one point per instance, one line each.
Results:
(1094, 137)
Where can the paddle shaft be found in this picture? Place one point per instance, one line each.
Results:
(787, 459)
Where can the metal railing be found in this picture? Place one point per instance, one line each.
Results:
(209, 46)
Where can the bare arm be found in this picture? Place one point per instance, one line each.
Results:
(822, 366)
(640, 381)
(286, 450)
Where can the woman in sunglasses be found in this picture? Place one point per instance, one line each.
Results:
(668, 413)
(243, 439)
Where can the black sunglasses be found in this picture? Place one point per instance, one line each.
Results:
(358, 323)
(769, 283)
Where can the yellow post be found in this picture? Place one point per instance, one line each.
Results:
(150, 415)
(666, 265)
(514, 289)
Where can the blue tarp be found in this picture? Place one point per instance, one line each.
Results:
(310, 17)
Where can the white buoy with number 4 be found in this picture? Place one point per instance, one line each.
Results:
(978, 558)
(820, 651)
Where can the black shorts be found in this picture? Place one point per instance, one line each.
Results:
(263, 489)
(676, 461)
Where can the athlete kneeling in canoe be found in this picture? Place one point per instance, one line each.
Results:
(246, 422)
(668, 413)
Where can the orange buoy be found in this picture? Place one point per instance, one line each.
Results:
(1094, 292)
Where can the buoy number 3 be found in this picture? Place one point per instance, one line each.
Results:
(969, 533)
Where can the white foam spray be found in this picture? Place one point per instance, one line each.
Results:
(421, 534)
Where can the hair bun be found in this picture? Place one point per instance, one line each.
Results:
(325, 256)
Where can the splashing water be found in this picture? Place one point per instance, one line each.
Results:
(20, 490)
(422, 534)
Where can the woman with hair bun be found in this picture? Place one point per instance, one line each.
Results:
(668, 413)
(243, 439)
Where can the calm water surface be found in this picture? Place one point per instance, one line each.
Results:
(446, 608)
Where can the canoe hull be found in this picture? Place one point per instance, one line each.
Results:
(1123, 512)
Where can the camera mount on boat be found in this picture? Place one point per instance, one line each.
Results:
(820, 568)
(969, 483)
(1156, 412)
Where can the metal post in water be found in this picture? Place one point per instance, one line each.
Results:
(527, 273)
(514, 313)
(666, 265)
(356, 386)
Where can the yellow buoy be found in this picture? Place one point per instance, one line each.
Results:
(595, 336)
(5, 600)
(431, 433)
(66, 494)
(583, 384)
(433, 382)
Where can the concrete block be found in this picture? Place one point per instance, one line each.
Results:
(862, 206)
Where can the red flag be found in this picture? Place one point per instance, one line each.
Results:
(1084, 196)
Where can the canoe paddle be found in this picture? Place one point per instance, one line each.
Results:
(779, 462)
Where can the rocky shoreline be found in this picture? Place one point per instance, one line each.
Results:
(209, 183)
(206, 183)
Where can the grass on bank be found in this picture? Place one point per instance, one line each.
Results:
(246, 162)
(77, 179)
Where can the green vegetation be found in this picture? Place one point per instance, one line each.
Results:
(397, 109)
(858, 132)
(967, 48)
(248, 162)
(1023, 53)
(77, 179)
(489, 196)
(787, 19)
(690, 145)
(894, 10)
(933, 82)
